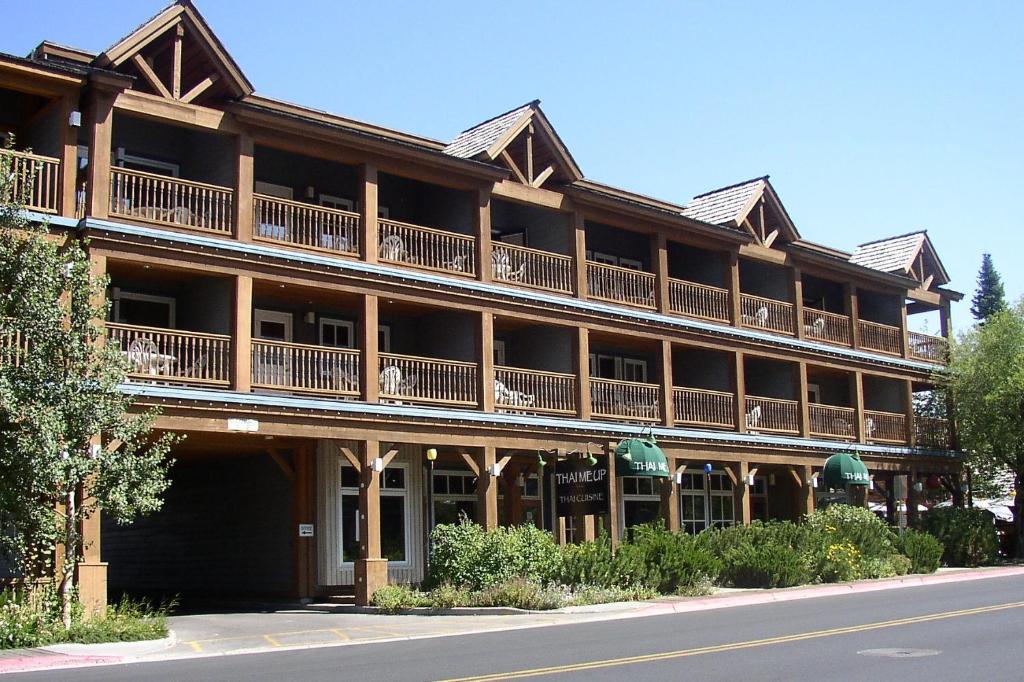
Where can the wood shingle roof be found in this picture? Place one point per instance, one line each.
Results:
(726, 206)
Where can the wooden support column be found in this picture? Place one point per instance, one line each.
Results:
(68, 159)
(659, 260)
(368, 212)
(670, 497)
(739, 381)
(579, 233)
(666, 398)
(303, 512)
(369, 375)
(613, 497)
(101, 126)
(241, 367)
(741, 492)
(244, 187)
(797, 291)
(92, 571)
(583, 372)
(485, 356)
(805, 416)
(735, 303)
(371, 570)
(904, 331)
(945, 319)
(807, 485)
(486, 488)
(854, 310)
(909, 414)
(857, 401)
(482, 218)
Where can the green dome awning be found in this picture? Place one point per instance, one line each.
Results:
(640, 457)
(842, 470)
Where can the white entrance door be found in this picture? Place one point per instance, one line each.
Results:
(272, 364)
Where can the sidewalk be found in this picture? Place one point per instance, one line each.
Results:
(321, 625)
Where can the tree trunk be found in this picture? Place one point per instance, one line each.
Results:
(67, 582)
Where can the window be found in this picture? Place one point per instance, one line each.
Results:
(143, 309)
(339, 203)
(641, 500)
(272, 325)
(605, 258)
(634, 370)
(813, 393)
(454, 494)
(499, 353)
(705, 500)
(721, 497)
(618, 367)
(394, 514)
(759, 499)
(384, 339)
(148, 165)
(631, 264)
(337, 333)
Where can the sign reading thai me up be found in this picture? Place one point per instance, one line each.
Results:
(581, 488)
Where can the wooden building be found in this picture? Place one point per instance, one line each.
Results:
(317, 302)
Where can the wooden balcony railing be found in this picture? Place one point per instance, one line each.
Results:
(832, 421)
(883, 338)
(532, 268)
(530, 390)
(702, 407)
(425, 380)
(828, 327)
(766, 313)
(698, 300)
(306, 225)
(772, 414)
(620, 285)
(170, 201)
(884, 427)
(13, 347)
(172, 355)
(425, 247)
(927, 347)
(35, 180)
(932, 432)
(305, 369)
(624, 400)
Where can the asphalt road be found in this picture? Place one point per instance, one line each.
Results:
(956, 631)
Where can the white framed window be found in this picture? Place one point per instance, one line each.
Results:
(722, 502)
(605, 258)
(634, 370)
(454, 495)
(641, 500)
(339, 203)
(272, 325)
(631, 264)
(813, 393)
(145, 310)
(337, 333)
(605, 366)
(705, 501)
(394, 514)
(146, 164)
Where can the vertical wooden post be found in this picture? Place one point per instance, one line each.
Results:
(579, 231)
(302, 513)
(742, 492)
(68, 159)
(944, 318)
(735, 303)
(485, 356)
(371, 570)
(666, 398)
(589, 528)
(670, 497)
(805, 409)
(854, 308)
(482, 218)
(904, 331)
(659, 259)
(369, 371)
(740, 382)
(368, 210)
(910, 416)
(797, 291)
(486, 488)
(101, 127)
(857, 399)
(613, 497)
(179, 33)
(244, 176)
(241, 368)
(583, 402)
(807, 481)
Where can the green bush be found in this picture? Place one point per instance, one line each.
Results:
(519, 593)
(673, 562)
(844, 524)
(449, 597)
(589, 563)
(923, 550)
(395, 598)
(766, 565)
(968, 536)
(466, 555)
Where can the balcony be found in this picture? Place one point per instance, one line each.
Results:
(405, 378)
(883, 338)
(527, 390)
(35, 180)
(427, 248)
(701, 407)
(885, 427)
(631, 400)
(302, 368)
(927, 347)
(773, 415)
(532, 268)
(305, 225)
(173, 356)
(617, 284)
(758, 312)
(932, 432)
(698, 300)
(148, 197)
(827, 327)
(832, 421)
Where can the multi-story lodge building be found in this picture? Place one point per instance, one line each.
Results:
(320, 303)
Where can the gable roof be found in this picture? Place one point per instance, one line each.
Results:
(898, 255)
(481, 137)
(731, 206)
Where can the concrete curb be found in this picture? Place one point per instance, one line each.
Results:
(419, 610)
(61, 656)
(115, 649)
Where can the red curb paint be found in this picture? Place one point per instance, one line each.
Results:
(26, 664)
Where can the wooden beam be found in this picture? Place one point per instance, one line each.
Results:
(113, 445)
(795, 476)
(199, 88)
(391, 454)
(470, 462)
(770, 239)
(529, 154)
(513, 167)
(282, 463)
(542, 176)
(150, 76)
(350, 456)
(179, 33)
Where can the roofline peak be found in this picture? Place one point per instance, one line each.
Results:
(763, 178)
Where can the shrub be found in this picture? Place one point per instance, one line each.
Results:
(842, 563)
(464, 554)
(395, 598)
(588, 563)
(767, 564)
(126, 621)
(673, 562)
(968, 535)
(449, 597)
(520, 593)
(923, 550)
(856, 526)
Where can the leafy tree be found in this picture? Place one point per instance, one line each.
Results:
(59, 396)
(990, 298)
(986, 378)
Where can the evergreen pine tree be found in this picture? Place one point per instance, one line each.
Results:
(990, 298)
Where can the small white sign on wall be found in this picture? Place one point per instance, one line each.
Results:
(247, 425)
(305, 530)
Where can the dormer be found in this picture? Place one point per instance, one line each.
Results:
(752, 206)
(911, 255)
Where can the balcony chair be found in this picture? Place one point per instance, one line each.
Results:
(758, 319)
(817, 329)
(460, 263)
(754, 417)
(506, 397)
(392, 247)
(393, 383)
(501, 265)
(869, 427)
(145, 357)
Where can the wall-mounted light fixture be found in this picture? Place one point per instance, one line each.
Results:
(311, 192)
(377, 464)
(310, 317)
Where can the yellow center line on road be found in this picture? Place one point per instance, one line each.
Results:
(271, 641)
(341, 634)
(629, 660)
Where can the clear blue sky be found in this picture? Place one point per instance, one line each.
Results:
(872, 118)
